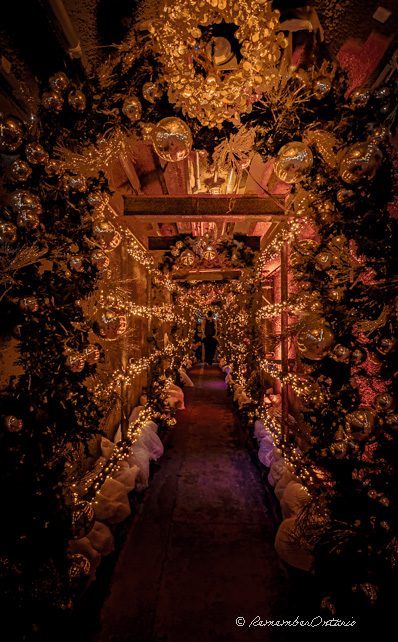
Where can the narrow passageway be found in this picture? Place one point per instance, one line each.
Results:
(200, 551)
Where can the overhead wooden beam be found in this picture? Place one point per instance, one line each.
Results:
(165, 242)
(204, 208)
(207, 275)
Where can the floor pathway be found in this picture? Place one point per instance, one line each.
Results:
(200, 551)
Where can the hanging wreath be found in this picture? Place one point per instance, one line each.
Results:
(196, 82)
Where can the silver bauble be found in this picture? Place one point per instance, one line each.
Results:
(76, 183)
(20, 171)
(11, 134)
(97, 201)
(36, 154)
(29, 304)
(52, 101)
(360, 162)
(75, 362)
(12, 423)
(323, 261)
(109, 324)
(321, 87)
(8, 232)
(358, 356)
(132, 108)
(361, 424)
(359, 97)
(91, 354)
(22, 200)
(53, 167)
(76, 263)
(187, 258)
(293, 162)
(83, 518)
(315, 340)
(384, 401)
(77, 100)
(341, 353)
(27, 219)
(59, 81)
(385, 345)
(99, 259)
(79, 568)
(151, 91)
(172, 139)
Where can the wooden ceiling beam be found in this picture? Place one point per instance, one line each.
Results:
(165, 242)
(205, 208)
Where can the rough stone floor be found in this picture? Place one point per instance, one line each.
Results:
(200, 551)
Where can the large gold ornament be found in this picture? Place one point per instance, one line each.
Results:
(20, 170)
(316, 339)
(293, 163)
(11, 133)
(192, 71)
(360, 162)
(75, 362)
(36, 154)
(83, 518)
(8, 232)
(172, 139)
(132, 108)
(24, 201)
(109, 324)
(360, 424)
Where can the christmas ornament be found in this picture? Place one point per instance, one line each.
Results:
(83, 518)
(59, 81)
(392, 421)
(293, 162)
(341, 353)
(79, 568)
(132, 108)
(53, 167)
(52, 101)
(315, 340)
(323, 261)
(172, 139)
(151, 91)
(360, 162)
(187, 258)
(106, 234)
(99, 259)
(109, 324)
(209, 253)
(25, 201)
(77, 100)
(359, 97)
(12, 423)
(301, 251)
(76, 183)
(11, 134)
(29, 304)
(385, 345)
(147, 130)
(314, 395)
(179, 245)
(76, 263)
(97, 200)
(28, 220)
(321, 87)
(384, 401)
(382, 93)
(358, 356)
(75, 362)
(360, 424)
(379, 134)
(91, 354)
(340, 449)
(345, 195)
(8, 232)
(36, 154)
(20, 171)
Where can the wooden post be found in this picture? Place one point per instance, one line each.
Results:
(285, 341)
(124, 414)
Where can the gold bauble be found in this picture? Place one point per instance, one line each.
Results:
(36, 154)
(384, 401)
(132, 108)
(83, 518)
(293, 162)
(360, 162)
(172, 139)
(321, 87)
(316, 339)
(361, 424)
(75, 362)
(187, 258)
(359, 97)
(341, 353)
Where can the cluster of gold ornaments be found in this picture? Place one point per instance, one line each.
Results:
(194, 80)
